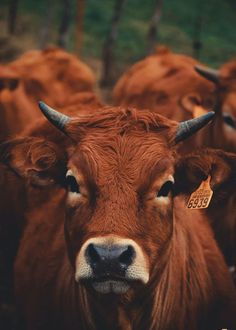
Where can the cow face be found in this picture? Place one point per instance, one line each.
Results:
(227, 92)
(26, 80)
(225, 104)
(228, 113)
(119, 208)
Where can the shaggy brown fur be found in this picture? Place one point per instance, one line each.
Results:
(52, 75)
(122, 153)
(222, 167)
(20, 186)
(226, 91)
(167, 83)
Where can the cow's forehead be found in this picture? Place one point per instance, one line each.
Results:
(129, 157)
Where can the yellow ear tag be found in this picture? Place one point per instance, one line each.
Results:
(198, 111)
(200, 198)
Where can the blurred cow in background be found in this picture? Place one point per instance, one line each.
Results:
(165, 83)
(224, 80)
(52, 74)
(168, 84)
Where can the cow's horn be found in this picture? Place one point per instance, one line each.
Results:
(56, 118)
(189, 127)
(208, 73)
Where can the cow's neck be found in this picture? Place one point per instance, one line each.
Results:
(175, 306)
(109, 312)
(113, 312)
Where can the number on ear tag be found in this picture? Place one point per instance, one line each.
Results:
(200, 198)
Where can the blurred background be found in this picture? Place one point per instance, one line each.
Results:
(112, 34)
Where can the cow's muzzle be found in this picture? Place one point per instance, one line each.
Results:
(108, 260)
(111, 264)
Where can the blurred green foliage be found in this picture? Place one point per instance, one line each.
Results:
(176, 30)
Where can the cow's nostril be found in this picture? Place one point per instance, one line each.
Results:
(127, 256)
(93, 254)
(109, 259)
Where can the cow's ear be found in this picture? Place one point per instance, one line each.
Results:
(192, 169)
(192, 103)
(189, 101)
(39, 161)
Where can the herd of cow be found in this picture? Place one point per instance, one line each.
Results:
(95, 232)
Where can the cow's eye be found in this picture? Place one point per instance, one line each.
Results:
(72, 183)
(165, 189)
(229, 120)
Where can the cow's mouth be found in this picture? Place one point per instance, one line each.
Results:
(110, 285)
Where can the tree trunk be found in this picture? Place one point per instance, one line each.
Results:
(46, 27)
(65, 22)
(107, 52)
(152, 35)
(79, 24)
(12, 16)
(197, 44)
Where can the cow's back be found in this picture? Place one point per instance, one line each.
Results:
(158, 82)
(52, 75)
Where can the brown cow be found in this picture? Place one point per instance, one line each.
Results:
(165, 83)
(16, 194)
(15, 197)
(117, 249)
(12, 206)
(225, 83)
(194, 168)
(224, 136)
(26, 80)
(168, 84)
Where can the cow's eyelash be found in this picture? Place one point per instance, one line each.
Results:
(165, 189)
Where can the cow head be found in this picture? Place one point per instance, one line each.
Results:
(120, 224)
(16, 98)
(225, 103)
(119, 213)
(120, 190)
